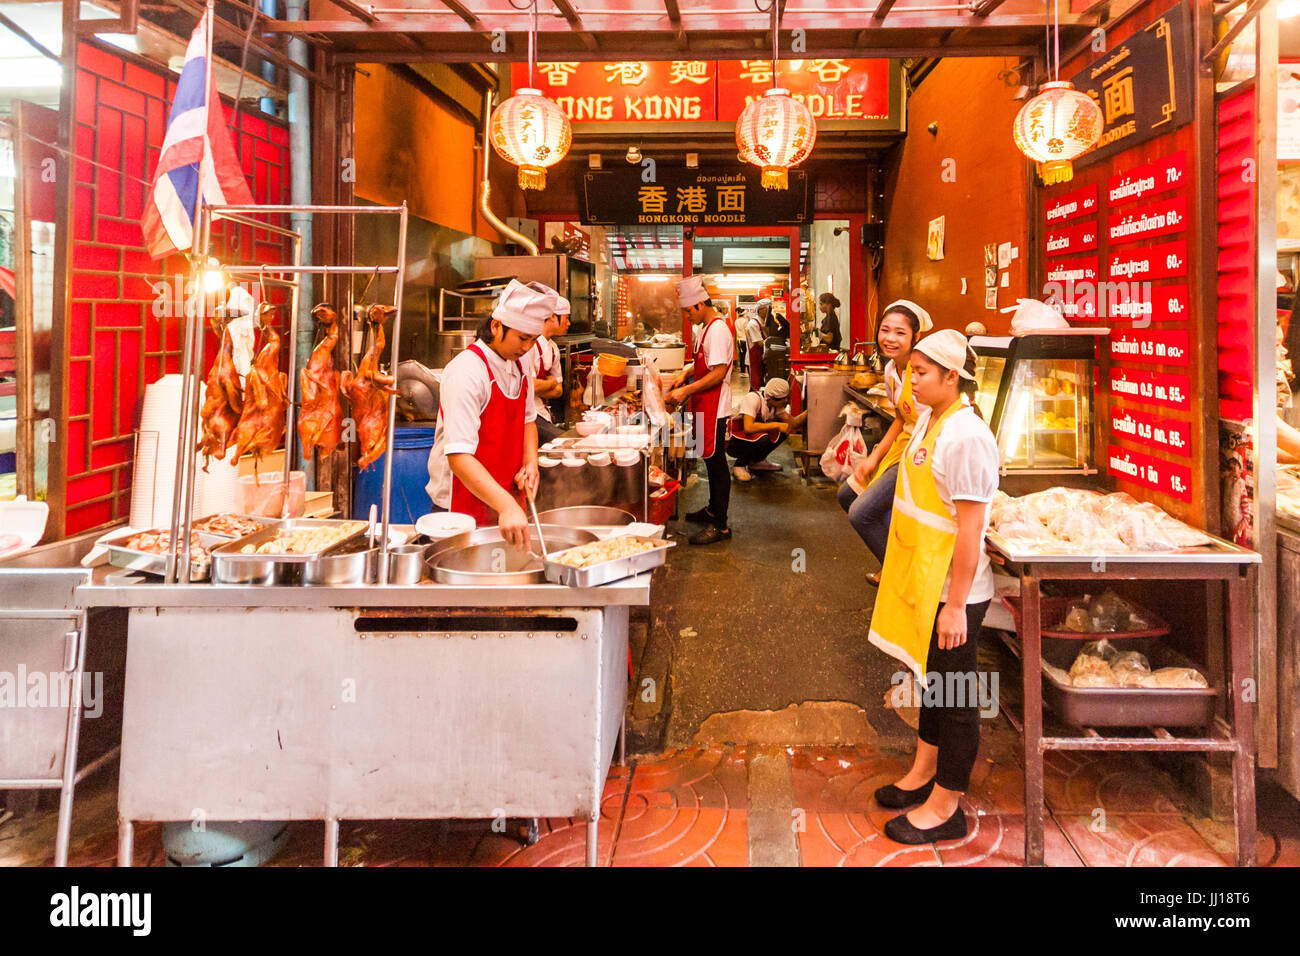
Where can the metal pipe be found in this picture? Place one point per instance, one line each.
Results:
(295, 301)
(254, 223)
(300, 190)
(266, 103)
(485, 188)
(310, 270)
(392, 399)
(223, 210)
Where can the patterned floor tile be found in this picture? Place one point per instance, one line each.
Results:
(1078, 782)
(999, 840)
(1138, 839)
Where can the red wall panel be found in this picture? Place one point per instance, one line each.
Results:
(117, 343)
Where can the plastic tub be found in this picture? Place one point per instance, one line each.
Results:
(262, 494)
(411, 448)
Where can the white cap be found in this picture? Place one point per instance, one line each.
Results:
(949, 348)
(922, 316)
(523, 309)
(691, 291)
(776, 389)
(562, 306)
(764, 303)
(546, 290)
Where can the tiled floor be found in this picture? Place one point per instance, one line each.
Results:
(690, 807)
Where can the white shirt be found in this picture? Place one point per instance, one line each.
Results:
(719, 350)
(753, 333)
(965, 468)
(466, 388)
(893, 383)
(533, 363)
(755, 406)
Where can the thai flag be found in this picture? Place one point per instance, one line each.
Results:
(197, 153)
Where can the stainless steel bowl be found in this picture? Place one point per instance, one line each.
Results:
(406, 563)
(586, 516)
(354, 567)
(481, 557)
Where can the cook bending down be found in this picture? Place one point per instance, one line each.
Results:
(486, 442)
(759, 427)
(901, 324)
(936, 586)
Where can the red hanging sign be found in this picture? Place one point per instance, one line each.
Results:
(1077, 238)
(1157, 388)
(1145, 222)
(1142, 469)
(1160, 347)
(1065, 271)
(1163, 433)
(1072, 205)
(1164, 261)
(1144, 181)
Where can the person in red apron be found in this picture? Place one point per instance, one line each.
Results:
(542, 363)
(754, 336)
(760, 425)
(707, 387)
(485, 446)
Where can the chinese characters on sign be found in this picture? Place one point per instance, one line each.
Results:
(692, 197)
(673, 90)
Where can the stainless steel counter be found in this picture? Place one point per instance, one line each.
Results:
(110, 588)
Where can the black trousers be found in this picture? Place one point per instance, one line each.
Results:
(952, 721)
(719, 475)
(747, 453)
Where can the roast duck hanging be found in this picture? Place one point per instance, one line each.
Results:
(320, 421)
(222, 401)
(266, 399)
(368, 391)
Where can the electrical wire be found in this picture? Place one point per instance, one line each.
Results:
(243, 65)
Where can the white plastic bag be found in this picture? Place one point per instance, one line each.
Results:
(844, 451)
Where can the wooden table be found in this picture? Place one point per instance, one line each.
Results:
(1220, 562)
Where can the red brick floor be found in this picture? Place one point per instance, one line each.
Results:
(689, 808)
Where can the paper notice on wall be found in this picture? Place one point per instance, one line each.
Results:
(934, 239)
(1006, 280)
(1288, 116)
(963, 285)
(1004, 255)
(991, 298)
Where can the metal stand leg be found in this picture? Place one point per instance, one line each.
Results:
(125, 841)
(591, 837)
(1239, 638)
(622, 742)
(331, 842)
(1031, 665)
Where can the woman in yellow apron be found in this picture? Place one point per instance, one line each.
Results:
(901, 324)
(936, 586)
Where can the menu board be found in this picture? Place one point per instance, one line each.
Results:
(1154, 473)
(1167, 434)
(1072, 205)
(1077, 238)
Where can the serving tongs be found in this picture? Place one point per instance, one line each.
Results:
(532, 507)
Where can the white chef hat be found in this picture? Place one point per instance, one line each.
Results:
(546, 290)
(691, 291)
(776, 389)
(562, 306)
(949, 348)
(764, 302)
(922, 316)
(523, 309)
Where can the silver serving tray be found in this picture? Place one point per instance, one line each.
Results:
(607, 571)
(133, 559)
(231, 566)
(261, 520)
(586, 516)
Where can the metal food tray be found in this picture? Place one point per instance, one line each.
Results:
(1217, 551)
(1130, 706)
(231, 566)
(607, 571)
(133, 559)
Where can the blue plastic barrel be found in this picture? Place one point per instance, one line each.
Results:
(410, 474)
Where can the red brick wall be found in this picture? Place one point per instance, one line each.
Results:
(116, 343)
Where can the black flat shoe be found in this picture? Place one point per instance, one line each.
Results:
(711, 535)
(900, 830)
(892, 798)
(703, 516)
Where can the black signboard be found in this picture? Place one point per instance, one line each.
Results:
(726, 196)
(1143, 85)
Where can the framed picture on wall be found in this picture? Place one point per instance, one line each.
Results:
(934, 240)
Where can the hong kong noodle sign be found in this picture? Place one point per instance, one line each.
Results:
(1143, 85)
(726, 196)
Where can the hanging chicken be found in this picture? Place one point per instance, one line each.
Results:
(222, 402)
(266, 399)
(320, 422)
(368, 391)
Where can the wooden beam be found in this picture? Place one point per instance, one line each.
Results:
(986, 7)
(464, 13)
(27, 38)
(1252, 11)
(267, 52)
(674, 12)
(882, 9)
(356, 9)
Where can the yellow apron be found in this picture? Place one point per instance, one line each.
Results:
(906, 411)
(922, 534)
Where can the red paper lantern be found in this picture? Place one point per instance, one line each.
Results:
(775, 132)
(1057, 126)
(532, 132)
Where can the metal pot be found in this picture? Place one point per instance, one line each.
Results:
(482, 557)
(406, 563)
(586, 516)
(447, 345)
(355, 567)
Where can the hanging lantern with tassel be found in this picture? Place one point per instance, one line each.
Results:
(1056, 127)
(776, 133)
(532, 132)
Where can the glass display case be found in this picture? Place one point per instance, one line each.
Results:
(1036, 392)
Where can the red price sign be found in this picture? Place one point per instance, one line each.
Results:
(1163, 433)
(1159, 347)
(1072, 205)
(1155, 388)
(1077, 238)
(1165, 261)
(1065, 271)
(1144, 222)
(1158, 177)
(1141, 469)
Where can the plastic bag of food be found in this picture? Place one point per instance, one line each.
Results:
(1086, 664)
(1109, 612)
(1076, 526)
(1137, 530)
(1077, 619)
(843, 452)
(652, 397)
(1179, 677)
(1024, 532)
(1057, 674)
(1102, 648)
(1130, 660)
(1098, 678)
(1005, 510)
(1182, 535)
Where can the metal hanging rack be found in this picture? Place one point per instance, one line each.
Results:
(289, 276)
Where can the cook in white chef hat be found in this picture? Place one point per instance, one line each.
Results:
(948, 348)
(764, 303)
(523, 309)
(776, 389)
(546, 290)
(691, 291)
(908, 307)
(562, 306)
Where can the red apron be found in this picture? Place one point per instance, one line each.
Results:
(756, 365)
(704, 405)
(500, 445)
